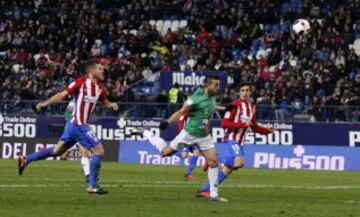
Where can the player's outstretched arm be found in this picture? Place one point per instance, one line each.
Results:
(174, 117)
(110, 105)
(220, 108)
(259, 129)
(54, 99)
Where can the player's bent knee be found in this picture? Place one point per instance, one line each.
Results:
(165, 153)
(59, 152)
(196, 152)
(98, 150)
(85, 153)
(213, 164)
(101, 152)
(238, 165)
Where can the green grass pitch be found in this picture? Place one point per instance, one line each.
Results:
(53, 189)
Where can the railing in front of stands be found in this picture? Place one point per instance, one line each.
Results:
(163, 110)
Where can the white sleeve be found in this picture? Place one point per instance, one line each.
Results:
(71, 103)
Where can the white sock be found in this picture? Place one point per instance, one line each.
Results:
(85, 163)
(156, 141)
(213, 181)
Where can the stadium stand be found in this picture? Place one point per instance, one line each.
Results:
(44, 43)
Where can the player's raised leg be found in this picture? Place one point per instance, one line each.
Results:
(42, 154)
(156, 141)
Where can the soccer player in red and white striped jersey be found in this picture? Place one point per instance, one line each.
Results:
(239, 117)
(86, 93)
(87, 90)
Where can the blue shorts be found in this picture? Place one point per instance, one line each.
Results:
(186, 150)
(79, 134)
(234, 149)
(190, 148)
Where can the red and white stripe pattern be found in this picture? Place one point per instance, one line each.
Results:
(243, 113)
(86, 93)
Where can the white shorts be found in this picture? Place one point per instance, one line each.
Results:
(185, 139)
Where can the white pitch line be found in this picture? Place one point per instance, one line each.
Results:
(351, 201)
(183, 183)
(155, 184)
(32, 186)
(102, 180)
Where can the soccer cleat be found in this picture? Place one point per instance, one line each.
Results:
(21, 164)
(136, 131)
(189, 177)
(218, 199)
(203, 194)
(96, 190)
(205, 167)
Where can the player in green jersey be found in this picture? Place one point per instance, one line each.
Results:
(201, 107)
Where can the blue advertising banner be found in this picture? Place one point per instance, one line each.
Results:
(327, 134)
(257, 156)
(330, 134)
(116, 129)
(189, 80)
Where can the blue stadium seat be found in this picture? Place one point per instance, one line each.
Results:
(256, 43)
(268, 28)
(276, 28)
(245, 53)
(321, 55)
(236, 54)
(320, 93)
(296, 4)
(284, 8)
(253, 52)
(285, 27)
(224, 32)
(182, 61)
(324, 11)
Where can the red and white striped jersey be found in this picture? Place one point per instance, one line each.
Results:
(86, 94)
(234, 121)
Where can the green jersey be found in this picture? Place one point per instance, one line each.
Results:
(201, 111)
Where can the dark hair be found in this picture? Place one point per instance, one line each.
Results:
(211, 77)
(90, 63)
(244, 84)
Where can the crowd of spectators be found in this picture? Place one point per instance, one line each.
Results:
(44, 44)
